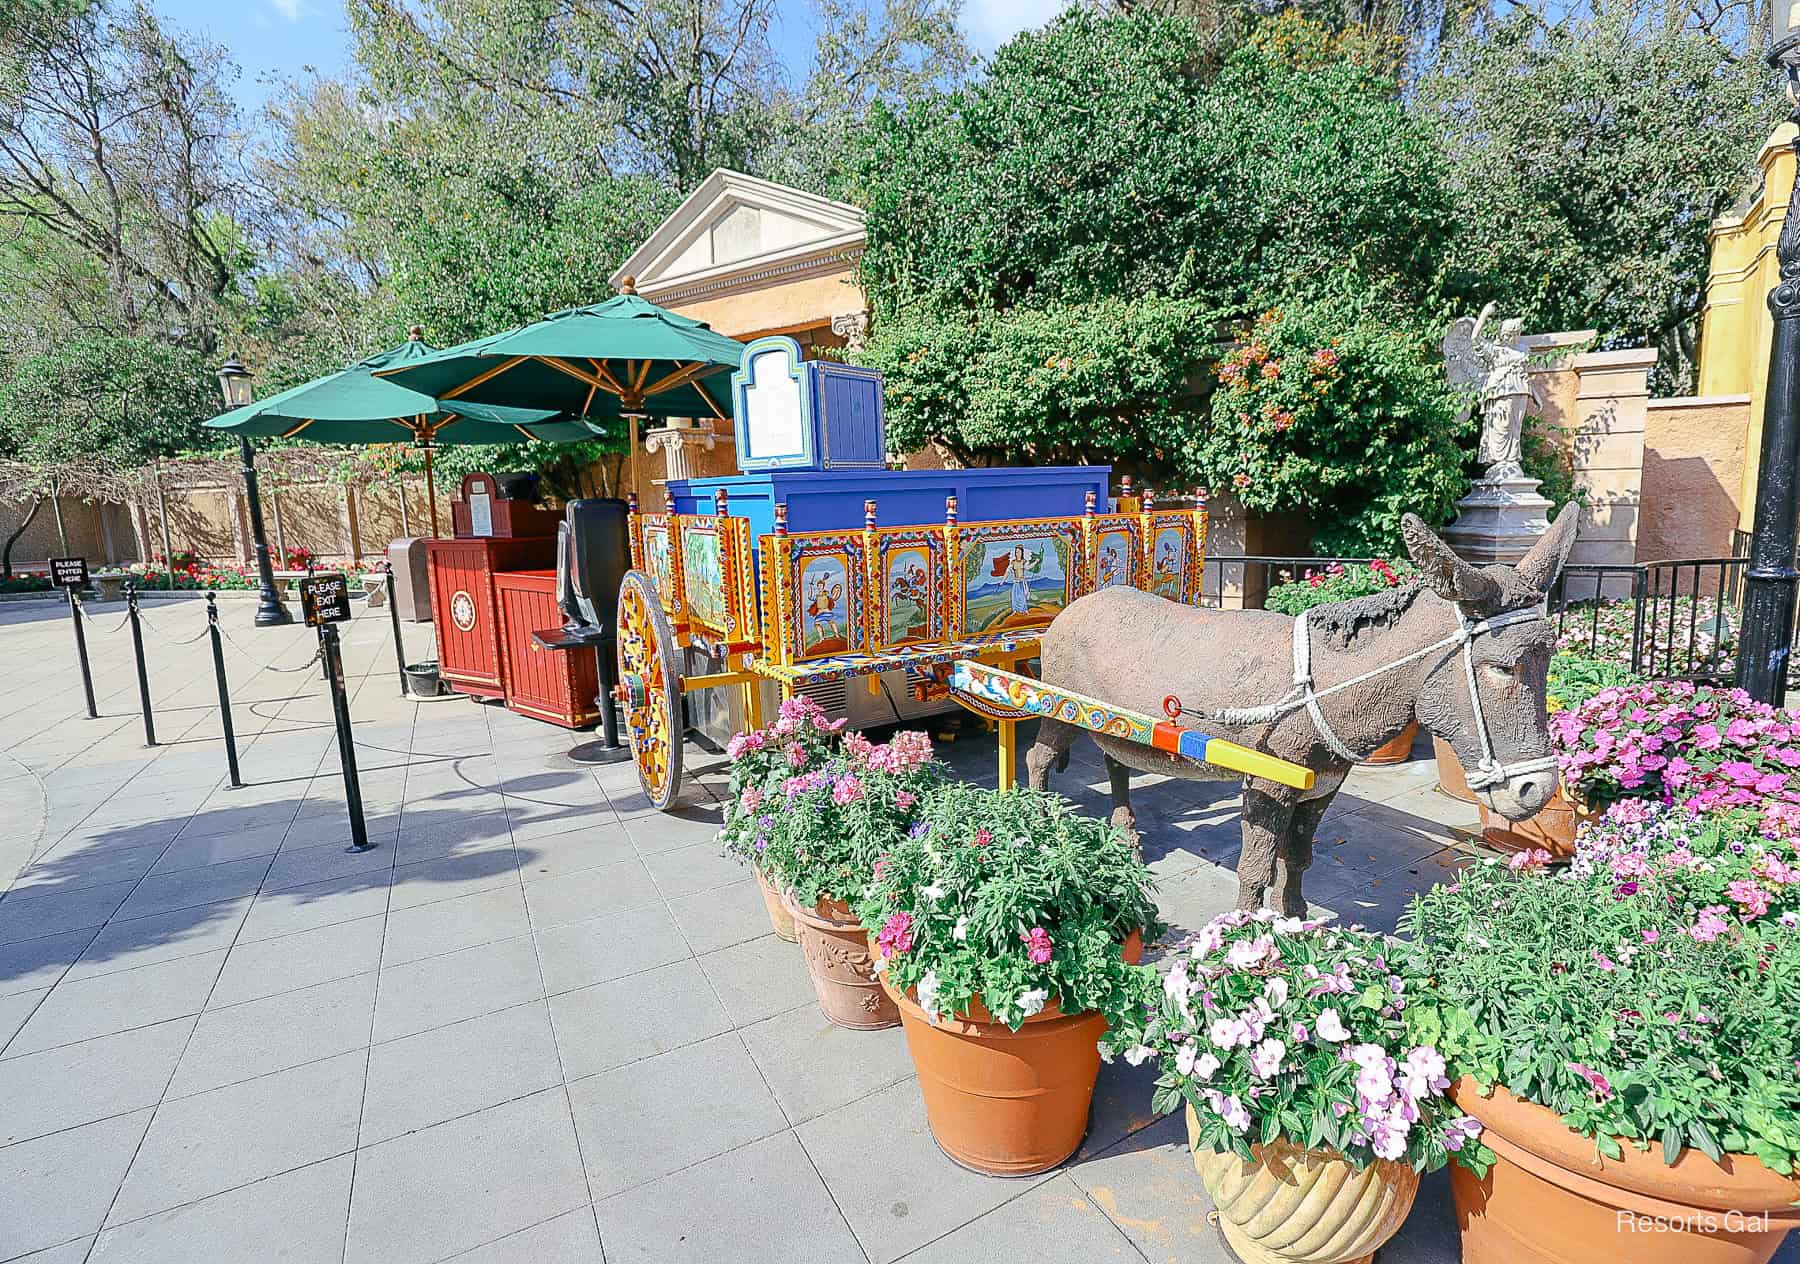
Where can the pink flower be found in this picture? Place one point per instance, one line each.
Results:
(896, 935)
(796, 755)
(847, 790)
(1751, 899)
(1037, 944)
(751, 799)
(982, 837)
(1528, 861)
(1710, 924)
(1598, 1084)
(904, 799)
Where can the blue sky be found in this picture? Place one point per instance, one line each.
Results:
(270, 39)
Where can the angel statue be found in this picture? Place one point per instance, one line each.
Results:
(1495, 369)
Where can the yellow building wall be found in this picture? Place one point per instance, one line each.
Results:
(1734, 324)
(780, 307)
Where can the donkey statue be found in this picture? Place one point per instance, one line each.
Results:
(1465, 651)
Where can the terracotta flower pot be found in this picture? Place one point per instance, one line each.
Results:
(1397, 751)
(1452, 780)
(780, 920)
(1295, 1206)
(1549, 1199)
(1552, 829)
(1005, 1102)
(836, 948)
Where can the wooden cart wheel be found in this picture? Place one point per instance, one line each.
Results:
(650, 688)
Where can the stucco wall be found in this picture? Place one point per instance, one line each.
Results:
(779, 306)
(1693, 471)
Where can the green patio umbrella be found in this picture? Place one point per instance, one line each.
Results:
(625, 357)
(355, 406)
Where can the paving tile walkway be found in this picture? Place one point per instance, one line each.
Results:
(539, 1022)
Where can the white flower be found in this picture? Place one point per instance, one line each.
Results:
(928, 988)
(1137, 1055)
(1175, 984)
(1275, 991)
(1265, 1059)
(961, 931)
(1184, 1058)
(933, 892)
(1330, 1026)
(1033, 1002)
(1204, 1068)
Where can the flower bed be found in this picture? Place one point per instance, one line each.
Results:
(1701, 747)
(1337, 582)
(1603, 630)
(26, 582)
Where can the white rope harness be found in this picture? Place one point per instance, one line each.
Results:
(1488, 772)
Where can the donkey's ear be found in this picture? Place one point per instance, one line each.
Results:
(1444, 573)
(1540, 567)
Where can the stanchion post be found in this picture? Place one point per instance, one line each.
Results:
(137, 648)
(394, 618)
(87, 675)
(340, 708)
(218, 651)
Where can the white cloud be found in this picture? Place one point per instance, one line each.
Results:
(292, 10)
(990, 23)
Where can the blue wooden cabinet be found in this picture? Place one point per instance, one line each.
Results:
(794, 414)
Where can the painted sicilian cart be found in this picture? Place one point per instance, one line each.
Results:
(816, 564)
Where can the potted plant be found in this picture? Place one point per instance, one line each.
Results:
(1338, 582)
(1626, 1033)
(1005, 922)
(1574, 677)
(1312, 1107)
(830, 827)
(801, 740)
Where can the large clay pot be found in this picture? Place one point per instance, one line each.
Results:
(836, 948)
(1005, 1102)
(1398, 750)
(1549, 1199)
(780, 920)
(1552, 829)
(1295, 1206)
(1452, 780)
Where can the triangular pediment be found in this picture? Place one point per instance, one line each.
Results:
(736, 223)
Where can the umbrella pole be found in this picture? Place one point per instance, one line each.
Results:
(431, 490)
(632, 439)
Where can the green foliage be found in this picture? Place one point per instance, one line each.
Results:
(1576, 677)
(1329, 412)
(122, 399)
(1097, 381)
(1096, 160)
(1011, 898)
(1590, 154)
(1636, 995)
(1547, 461)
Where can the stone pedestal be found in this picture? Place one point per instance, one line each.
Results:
(1498, 521)
(681, 442)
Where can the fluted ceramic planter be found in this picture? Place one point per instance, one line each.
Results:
(780, 920)
(1295, 1206)
(1452, 780)
(1551, 1199)
(1552, 829)
(838, 960)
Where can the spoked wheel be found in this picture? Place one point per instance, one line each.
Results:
(650, 688)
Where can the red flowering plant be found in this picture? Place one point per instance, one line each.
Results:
(1337, 582)
(1012, 901)
(1703, 748)
(1645, 994)
(820, 820)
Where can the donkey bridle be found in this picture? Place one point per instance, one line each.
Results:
(1488, 772)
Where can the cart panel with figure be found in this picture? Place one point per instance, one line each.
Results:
(850, 600)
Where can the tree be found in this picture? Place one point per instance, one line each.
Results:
(1589, 155)
(1097, 159)
(1058, 255)
(117, 175)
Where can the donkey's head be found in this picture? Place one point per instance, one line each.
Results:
(1510, 662)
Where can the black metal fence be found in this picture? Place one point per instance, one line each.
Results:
(1675, 618)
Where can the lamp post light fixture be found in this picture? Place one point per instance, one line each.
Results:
(234, 384)
(1771, 580)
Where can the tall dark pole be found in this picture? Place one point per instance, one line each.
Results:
(1770, 582)
(269, 610)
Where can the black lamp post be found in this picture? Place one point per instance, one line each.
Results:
(234, 382)
(1770, 582)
